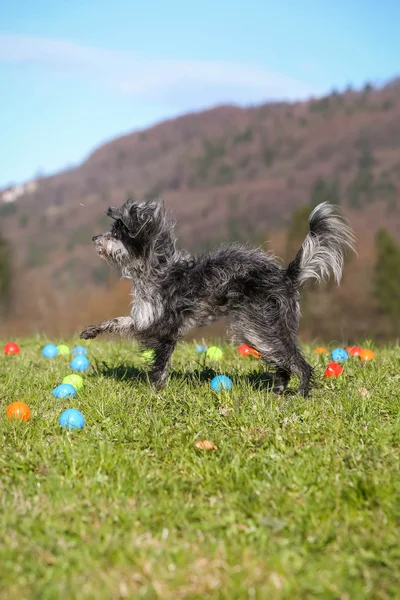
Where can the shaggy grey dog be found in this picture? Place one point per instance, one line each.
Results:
(174, 291)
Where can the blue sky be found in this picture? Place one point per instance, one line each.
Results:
(75, 73)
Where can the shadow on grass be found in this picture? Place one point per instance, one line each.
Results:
(257, 380)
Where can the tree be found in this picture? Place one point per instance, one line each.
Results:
(298, 229)
(325, 192)
(5, 275)
(362, 189)
(386, 279)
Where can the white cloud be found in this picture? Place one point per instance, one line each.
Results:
(190, 82)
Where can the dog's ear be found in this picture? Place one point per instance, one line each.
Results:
(126, 213)
(156, 208)
(112, 212)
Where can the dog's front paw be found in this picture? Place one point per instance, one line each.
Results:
(89, 333)
(157, 381)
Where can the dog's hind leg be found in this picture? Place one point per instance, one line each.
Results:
(305, 372)
(288, 360)
(273, 352)
(277, 348)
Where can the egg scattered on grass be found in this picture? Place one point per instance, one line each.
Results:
(245, 350)
(72, 419)
(339, 354)
(75, 380)
(214, 353)
(200, 348)
(63, 350)
(79, 350)
(64, 390)
(221, 383)
(366, 355)
(79, 363)
(11, 348)
(354, 350)
(19, 410)
(50, 351)
(333, 370)
(148, 356)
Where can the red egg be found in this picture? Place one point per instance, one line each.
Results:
(354, 350)
(333, 370)
(245, 350)
(11, 348)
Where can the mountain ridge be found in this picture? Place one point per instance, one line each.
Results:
(228, 173)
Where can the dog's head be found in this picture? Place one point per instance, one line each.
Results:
(139, 233)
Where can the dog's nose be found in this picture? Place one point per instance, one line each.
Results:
(94, 238)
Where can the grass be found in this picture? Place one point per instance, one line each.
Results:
(300, 500)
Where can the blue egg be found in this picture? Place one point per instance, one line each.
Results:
(201, 349)
(80, 363)
(79, 350)
(64, 390)
(339, 354)
(50, 351)
(221, 383)
(72, 419)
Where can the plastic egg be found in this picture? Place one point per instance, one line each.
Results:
(19, 410)
(201, 348)
(12, 348)
(50, 351)
(72, 419)
(75, 380)
(79, 350)
(339, 354)
(214, 353)
(63, 350)
(245, 350)
(333, 370)
(320, 350)
(79, 363)
(354, 350)
(366, 355)
(64, 390)
(148, 356)
(221, 383)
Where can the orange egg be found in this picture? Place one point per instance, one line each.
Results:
(320, 350)
(366, 355)
(19, 410)
(254, 353)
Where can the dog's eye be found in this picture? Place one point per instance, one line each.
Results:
(114, 234)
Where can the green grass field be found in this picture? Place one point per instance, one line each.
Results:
(300, 500)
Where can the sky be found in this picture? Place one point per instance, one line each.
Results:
(74, 73)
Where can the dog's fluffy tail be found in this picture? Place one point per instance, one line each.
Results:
(322, 252)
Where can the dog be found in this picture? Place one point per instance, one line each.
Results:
(174, 291)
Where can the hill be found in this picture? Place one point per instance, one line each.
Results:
(227, 173)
